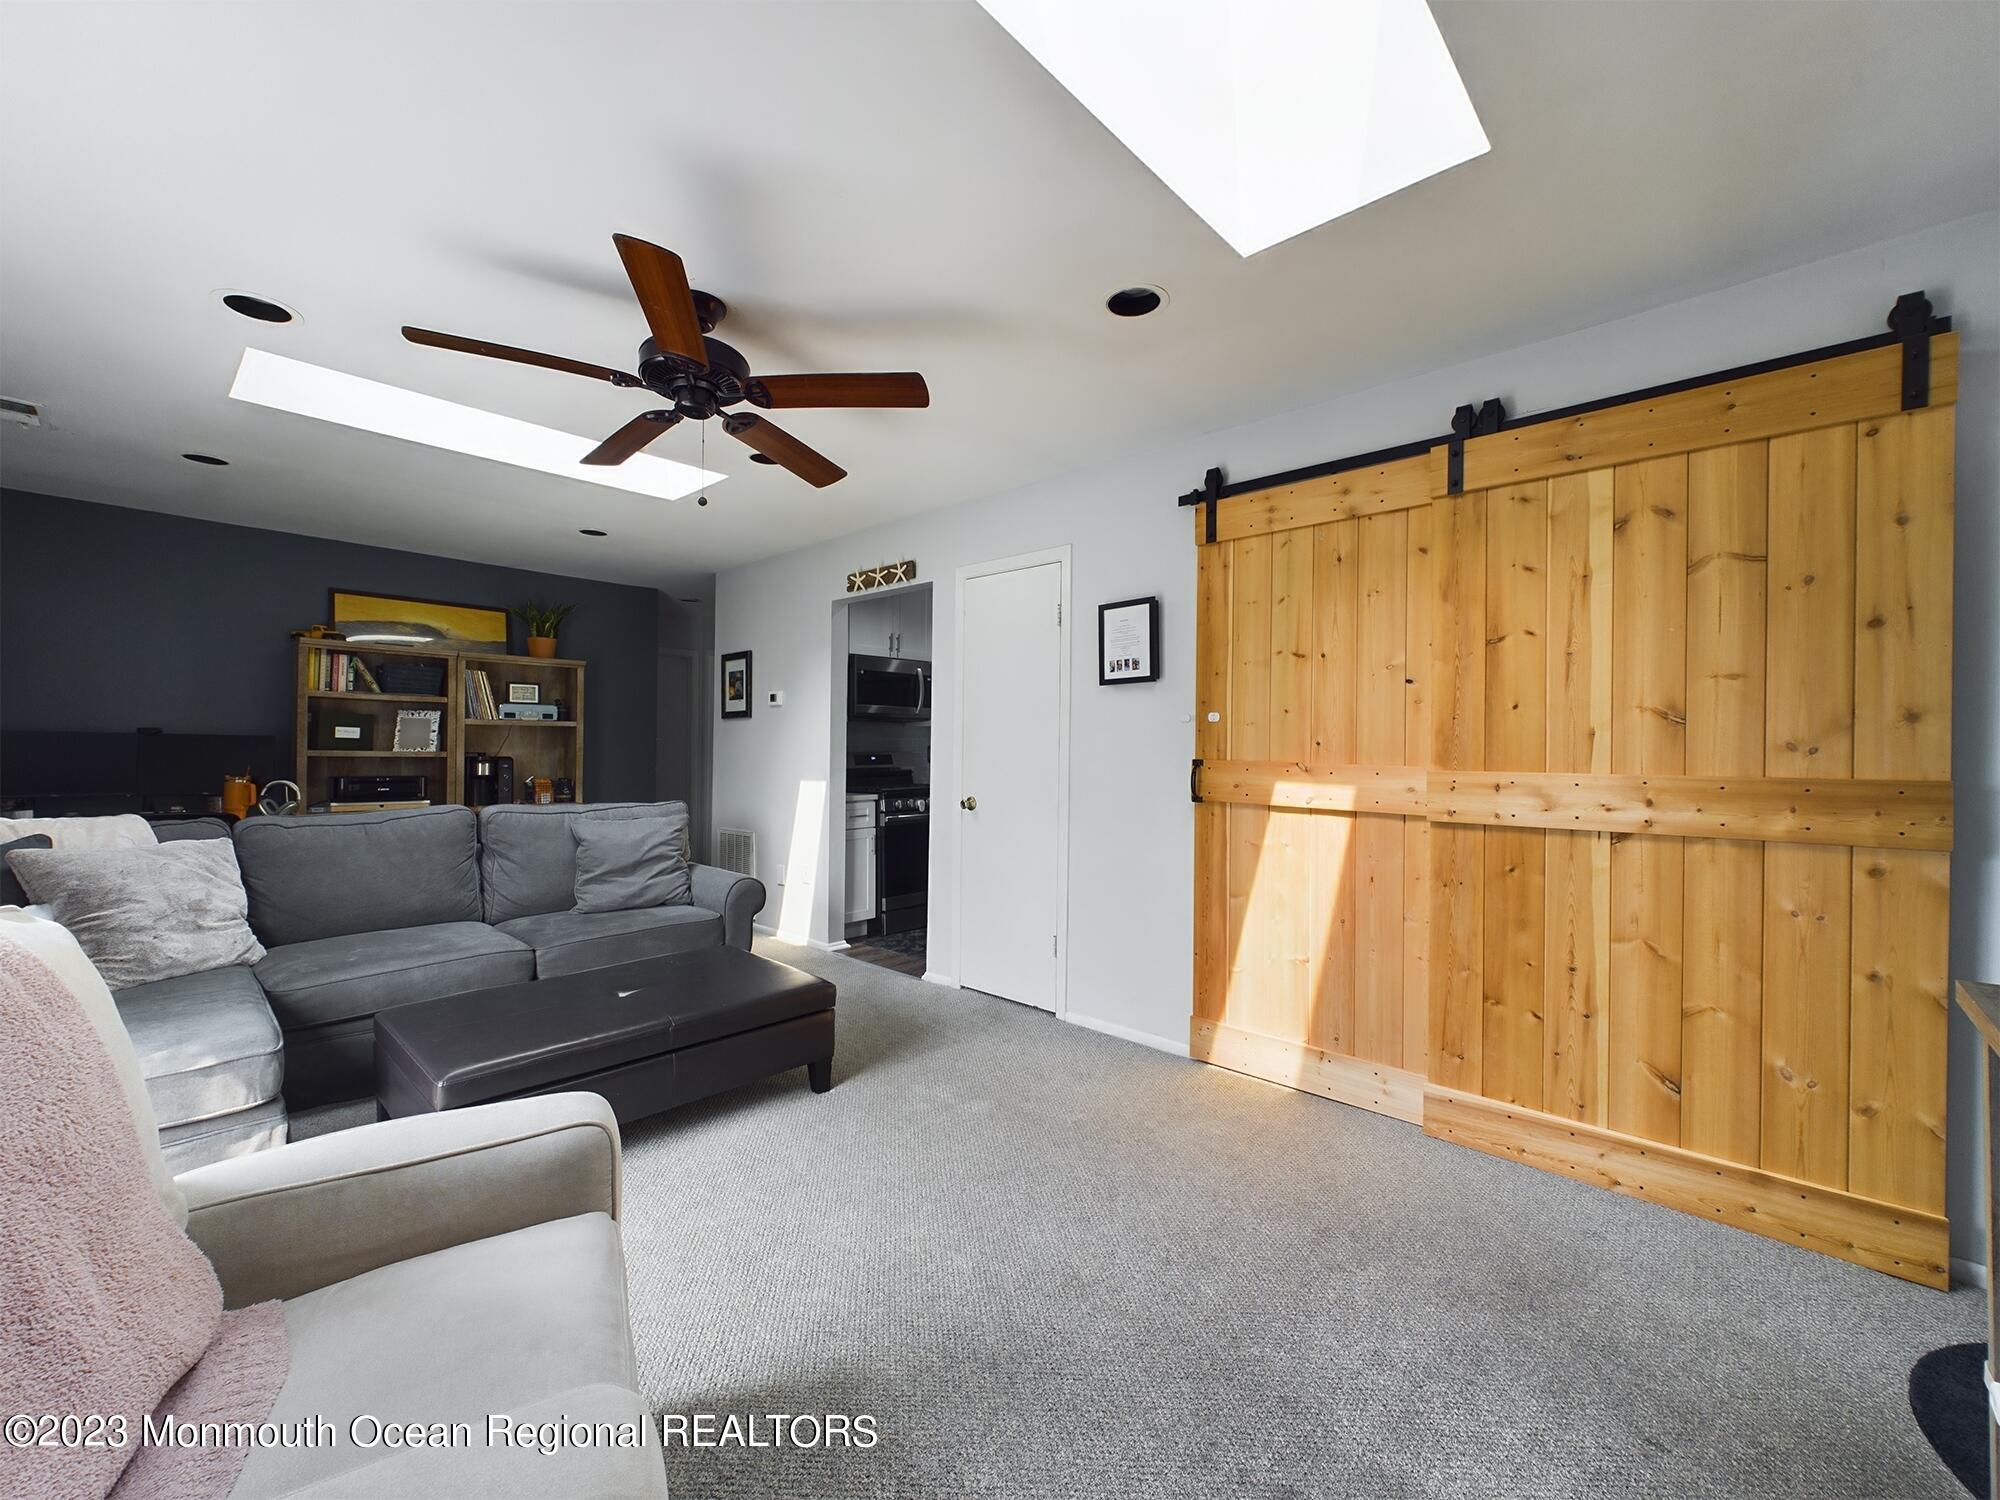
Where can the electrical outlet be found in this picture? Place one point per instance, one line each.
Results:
(775, 698)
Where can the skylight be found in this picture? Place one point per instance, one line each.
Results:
(1266, 117)
(334, 396)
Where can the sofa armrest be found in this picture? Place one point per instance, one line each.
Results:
(283, 1222)
(738, 897)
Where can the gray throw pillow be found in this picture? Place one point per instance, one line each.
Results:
(147, 912)
(11, 893)
(628, 864)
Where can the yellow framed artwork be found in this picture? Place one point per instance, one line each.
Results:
(390, 620)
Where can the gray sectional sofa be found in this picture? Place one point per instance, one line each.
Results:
(362, 912)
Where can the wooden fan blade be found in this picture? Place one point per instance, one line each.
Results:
(779, 391)
(660, 282)
(630, 438)
(774, 442)
(519, 356)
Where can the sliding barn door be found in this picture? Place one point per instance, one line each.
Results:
(1598, 814)
(1312, 849)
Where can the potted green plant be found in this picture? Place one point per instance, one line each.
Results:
(543, 621)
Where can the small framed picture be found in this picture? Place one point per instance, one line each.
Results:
(416, 729)
(736, 685)
(1128, 641)
(524, 692)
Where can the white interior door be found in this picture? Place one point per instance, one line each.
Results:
(1009, 812)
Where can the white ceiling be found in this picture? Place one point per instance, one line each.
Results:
(870, 186)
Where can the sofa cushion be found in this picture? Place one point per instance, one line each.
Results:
(172, 830)
(528, 1322)
(200, 1142)
(569, 942)
(146, 912)
(337, 978)
(328, 875)
(630, 864)
(207, 1043)
(527, 856)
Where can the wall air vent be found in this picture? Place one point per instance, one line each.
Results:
(736, 849)
(23, 413)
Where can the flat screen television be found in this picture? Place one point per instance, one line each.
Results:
(91, 771)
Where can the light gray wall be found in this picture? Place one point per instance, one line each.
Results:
(1131, 833)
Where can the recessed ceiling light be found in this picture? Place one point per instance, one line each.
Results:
(1266, 117)
(261, 308)
(590, 531)
(293, 385)
(206, 458)
(1135, 301)
(762, 458)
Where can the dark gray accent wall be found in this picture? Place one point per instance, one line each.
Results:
(112, 618)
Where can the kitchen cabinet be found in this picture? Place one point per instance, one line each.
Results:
(861, 896)
(897, 624)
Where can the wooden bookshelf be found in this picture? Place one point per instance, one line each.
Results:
(539, 747)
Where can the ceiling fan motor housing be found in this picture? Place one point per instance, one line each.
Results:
(697, 394)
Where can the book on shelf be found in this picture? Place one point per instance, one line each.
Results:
(364, 680)
(479, 700)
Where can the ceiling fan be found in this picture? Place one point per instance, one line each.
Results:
(699, 375)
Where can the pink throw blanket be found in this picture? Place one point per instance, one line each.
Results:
(107, 1310)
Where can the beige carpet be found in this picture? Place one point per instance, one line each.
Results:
(1051, 1263)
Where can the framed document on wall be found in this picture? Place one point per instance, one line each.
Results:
(736, 685)
(1128, 641)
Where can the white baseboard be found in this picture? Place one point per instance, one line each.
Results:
(1169, 1045)
(932, 976)
(1968, 1273)
(819, 944)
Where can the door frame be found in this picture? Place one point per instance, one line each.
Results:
(1061, 557)
(695, 711)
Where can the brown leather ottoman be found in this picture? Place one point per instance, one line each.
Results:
(646, 1035)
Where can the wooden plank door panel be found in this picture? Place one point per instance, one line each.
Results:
(1722, 975)
(1613, 793)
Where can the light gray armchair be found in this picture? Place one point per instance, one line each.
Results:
(439, 1268)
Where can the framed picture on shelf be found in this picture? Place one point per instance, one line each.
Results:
(1128, 641)
(736, 685)
(389, 620)
(524, 692)
(416, 729)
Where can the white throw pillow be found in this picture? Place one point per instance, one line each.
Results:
(118, 831)
(59, 951)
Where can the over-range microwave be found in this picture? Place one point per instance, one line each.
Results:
(888, 687)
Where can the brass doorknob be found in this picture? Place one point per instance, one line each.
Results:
(970, 804)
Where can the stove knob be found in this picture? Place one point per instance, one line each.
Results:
(923, 805)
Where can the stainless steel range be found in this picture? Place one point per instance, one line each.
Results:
(903, 857)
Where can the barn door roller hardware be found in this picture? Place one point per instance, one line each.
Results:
(1209, 494)
(1468, 423)
(1911, 325)
(1910, 320)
